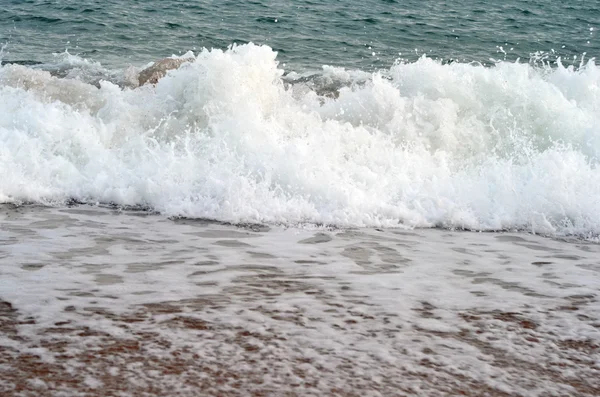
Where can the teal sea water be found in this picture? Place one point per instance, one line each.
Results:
(299, 209)
(397, 114)
(306, 34)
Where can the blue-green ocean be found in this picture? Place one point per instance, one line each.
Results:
(455, 114)
(306, 34)
(299, 198)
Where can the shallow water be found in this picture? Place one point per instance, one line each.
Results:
(302, 197)
(98, 300)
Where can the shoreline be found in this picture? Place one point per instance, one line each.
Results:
(98, 304)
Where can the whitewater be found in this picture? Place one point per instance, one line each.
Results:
(245, 227)
(232, 136)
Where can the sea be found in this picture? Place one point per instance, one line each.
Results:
(327, 198)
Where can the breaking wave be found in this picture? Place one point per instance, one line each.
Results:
(230, 136)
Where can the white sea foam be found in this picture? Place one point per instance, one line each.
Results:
(112, 301)
(422, 144)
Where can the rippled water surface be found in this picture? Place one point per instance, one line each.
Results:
(307, 34)
(323, 211)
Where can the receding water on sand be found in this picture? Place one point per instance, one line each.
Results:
(336, 148)
(96, 301)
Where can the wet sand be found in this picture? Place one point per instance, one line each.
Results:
(100, 302)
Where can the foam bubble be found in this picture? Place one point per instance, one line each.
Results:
(421, 144)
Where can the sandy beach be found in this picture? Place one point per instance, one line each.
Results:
(308, 198)
(101, 302)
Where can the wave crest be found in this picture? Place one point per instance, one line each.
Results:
(230, 137)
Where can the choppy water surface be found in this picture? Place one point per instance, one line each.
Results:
(266, 132)
(281, 214)
(307, 34)
(228, 137)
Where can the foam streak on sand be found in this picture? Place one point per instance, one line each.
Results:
(97, 302)
(227, 137)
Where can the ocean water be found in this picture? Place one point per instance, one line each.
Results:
(306, 34)
(292, 129)
(327, 198)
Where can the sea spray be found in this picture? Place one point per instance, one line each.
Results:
(230, 137)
